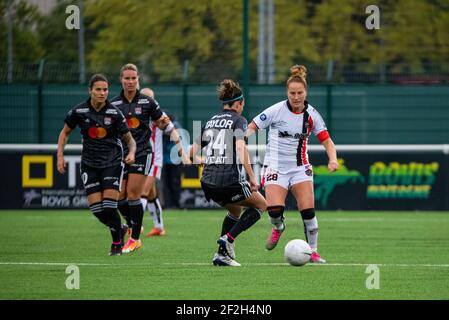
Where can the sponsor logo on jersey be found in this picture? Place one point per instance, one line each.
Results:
(263, 117)
(107, 120)
(117, 103)
(133, 123)
(236, 197)
(138, 110)
(143, 101)
(284, 134)
(97, 132)
(82, 110)
(111, 111)
(302, 136)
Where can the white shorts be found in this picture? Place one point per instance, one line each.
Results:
(286, 180)
(155, 171)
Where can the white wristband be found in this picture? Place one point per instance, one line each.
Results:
(169, 128)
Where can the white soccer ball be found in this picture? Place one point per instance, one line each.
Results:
(297, 252)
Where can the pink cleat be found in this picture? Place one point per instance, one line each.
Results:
(315, 258)
(273, 239)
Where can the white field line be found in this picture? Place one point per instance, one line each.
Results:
(398, 265)
(325, 264)
(53, 264)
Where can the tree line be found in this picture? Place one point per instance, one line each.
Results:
(169, 37)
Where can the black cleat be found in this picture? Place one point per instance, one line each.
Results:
(116, 250)
(124, 230)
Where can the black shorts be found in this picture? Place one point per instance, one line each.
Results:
(142, 165)
(99, 179)
(236, 192)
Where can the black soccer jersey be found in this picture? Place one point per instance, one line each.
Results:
(139, 113)
(219, 134)
(101, 133)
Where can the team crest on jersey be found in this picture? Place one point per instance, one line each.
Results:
(107, 120)
(263, 117)
(309, 171)
(138, 110)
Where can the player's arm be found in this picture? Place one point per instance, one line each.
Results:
(243, 155)
(252, 128)
(164, 123)
(131, 143)
(62, 141)
(194, 150)
(331, 151)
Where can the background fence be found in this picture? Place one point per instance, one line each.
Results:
(355, 114)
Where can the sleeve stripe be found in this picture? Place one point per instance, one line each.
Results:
(255, 125)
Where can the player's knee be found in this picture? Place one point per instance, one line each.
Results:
(262, 206)
(308, 214)
(276, 211)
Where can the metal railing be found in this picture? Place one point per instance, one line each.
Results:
(52, 72)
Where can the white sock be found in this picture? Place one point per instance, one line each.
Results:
(159, 210)
(311, 232)
(144, 203)
(277, 223)
(156, 212)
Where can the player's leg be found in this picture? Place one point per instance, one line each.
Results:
(134, 192)
(303, 193)
(91, 178)
(222, 257)
(123, 205)
(111, 184)
(149, 181)
(231, 218)
(154, 204)
(255, 204)
(110, 197)
(276, 190)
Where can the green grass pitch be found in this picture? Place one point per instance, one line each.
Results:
(411, 250)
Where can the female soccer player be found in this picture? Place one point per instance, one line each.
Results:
(139, 110)
(101, 126)
(150, 194)
(223, 180)
(286, 164)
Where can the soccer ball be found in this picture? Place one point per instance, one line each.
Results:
(297, 252)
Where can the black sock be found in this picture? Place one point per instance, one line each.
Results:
(248, 218)
(136, 213)
(228, 222)
(97, 210)
(110, 210)
(123, 207)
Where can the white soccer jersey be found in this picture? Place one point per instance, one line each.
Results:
(156, 145)
(288, 135)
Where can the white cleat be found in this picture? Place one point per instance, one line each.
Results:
(225, 247)
(220, 260)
